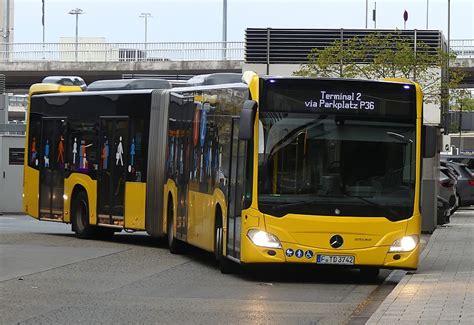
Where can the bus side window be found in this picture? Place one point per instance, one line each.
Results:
(34, 140)
(82, 146)
(261, 142)
(137, 152)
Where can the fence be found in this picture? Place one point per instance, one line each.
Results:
(464, 48)
(116, 52)
(166, 51)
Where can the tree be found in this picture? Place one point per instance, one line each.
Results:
(378, 56)
(463, 101)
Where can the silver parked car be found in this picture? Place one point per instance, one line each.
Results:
(448, 198)
(465, 183)
(463, 159)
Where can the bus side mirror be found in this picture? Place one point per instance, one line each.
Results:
(429, 141)
(247, 120)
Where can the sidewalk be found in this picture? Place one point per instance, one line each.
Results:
(442, 290)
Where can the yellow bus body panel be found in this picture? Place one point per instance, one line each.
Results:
(254, 88)
(31, 191)
(368, 239)
(46, 88)
(200, 220)
(135, 194)
(200, 215)
(90, 185)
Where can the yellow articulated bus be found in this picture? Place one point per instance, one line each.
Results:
(266, 170)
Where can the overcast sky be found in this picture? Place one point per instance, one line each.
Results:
(201, 20)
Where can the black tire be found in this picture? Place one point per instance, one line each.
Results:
(459, 202)
(175, 246)
(369, 274)
(80, 216)
(226, 266)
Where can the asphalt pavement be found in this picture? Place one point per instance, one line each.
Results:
(47, 276)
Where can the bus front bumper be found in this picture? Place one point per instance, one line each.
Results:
(377, 256)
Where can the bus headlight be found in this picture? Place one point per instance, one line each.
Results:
(263, 239)
(405, 244)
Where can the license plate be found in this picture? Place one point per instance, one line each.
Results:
(335, 259)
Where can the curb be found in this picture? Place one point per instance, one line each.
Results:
(385, 305)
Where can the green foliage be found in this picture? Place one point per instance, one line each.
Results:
(379, 56)
(463, 100)
(454, 127)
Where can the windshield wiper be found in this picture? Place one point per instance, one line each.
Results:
(311, 200)
(399, 136)
(277, 207)
(372, 203)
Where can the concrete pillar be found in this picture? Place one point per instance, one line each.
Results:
(3, 109)
(430, 189)
(429, 194)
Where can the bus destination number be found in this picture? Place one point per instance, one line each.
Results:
(340, 101)
(335, 259)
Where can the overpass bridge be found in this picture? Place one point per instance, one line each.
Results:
(464, 50)
(27, 63)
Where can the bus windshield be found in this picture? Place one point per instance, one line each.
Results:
(328, 164)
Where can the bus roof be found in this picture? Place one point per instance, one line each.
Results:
(129, 84)
(92, 93)
(215, 79)
(387, 80)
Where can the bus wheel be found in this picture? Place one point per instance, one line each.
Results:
(226, 266)
(80, 217)
(175, 246)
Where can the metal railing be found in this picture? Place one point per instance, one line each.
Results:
(121, 52)
(151, 52)
(464, 48)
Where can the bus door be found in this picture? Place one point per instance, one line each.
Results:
(52, 163)
(236, 190)
(112, 172)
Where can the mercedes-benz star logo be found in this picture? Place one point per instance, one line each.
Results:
(336, 241)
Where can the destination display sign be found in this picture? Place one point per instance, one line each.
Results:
(339, 96)
(338, 101)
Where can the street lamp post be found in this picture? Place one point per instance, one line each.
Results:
(145, 15)
(447, 65)
(460, 128)
(42, 22)
(224, 29)
(366, 12)
(374, 15)
(427, 8)
(76, 12)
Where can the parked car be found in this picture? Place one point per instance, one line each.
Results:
(463, 159)
(465, 183)
(443, 211)
(447, 194)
